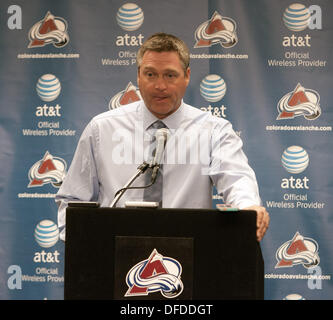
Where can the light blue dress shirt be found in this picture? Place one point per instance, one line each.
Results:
(202, 150)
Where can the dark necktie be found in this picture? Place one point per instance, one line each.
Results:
(154, 193)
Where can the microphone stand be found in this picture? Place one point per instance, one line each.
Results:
(141, 169)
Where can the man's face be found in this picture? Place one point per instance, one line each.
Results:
(162, 82)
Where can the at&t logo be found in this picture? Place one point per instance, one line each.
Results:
(297, 17)
(48, 88)
(130, 17)
(213, 88)
(295, 160)
(46, 233)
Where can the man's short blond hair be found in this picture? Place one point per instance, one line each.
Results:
(163, 42)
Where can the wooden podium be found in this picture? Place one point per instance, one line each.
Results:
(138, 253)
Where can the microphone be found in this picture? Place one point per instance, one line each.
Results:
(161, 136)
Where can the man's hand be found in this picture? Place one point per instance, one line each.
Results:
(262, 220)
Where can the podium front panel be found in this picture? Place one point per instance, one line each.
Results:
(129, 253)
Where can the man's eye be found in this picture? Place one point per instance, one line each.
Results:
(150, 74)
(171, 76)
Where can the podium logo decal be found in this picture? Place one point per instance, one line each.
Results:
(298, 250)
(157, 273)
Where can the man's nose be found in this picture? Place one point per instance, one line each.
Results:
(160, 83)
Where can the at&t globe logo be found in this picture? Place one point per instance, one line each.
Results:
(296, 17)
(130, 17)
(46, 233)
(295, 159)
(48, 87)
(213, 88)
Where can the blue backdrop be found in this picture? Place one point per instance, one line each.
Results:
(62, 62)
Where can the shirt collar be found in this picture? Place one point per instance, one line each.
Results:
(173, 121)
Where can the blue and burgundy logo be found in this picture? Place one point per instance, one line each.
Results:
(218, 30)
(301, 102)
(155, 274)
(50, 169)
(50, 30)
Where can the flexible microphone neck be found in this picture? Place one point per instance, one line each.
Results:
(140, 170)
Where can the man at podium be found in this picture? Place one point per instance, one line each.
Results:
(180, 151)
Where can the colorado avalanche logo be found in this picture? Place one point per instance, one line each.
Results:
(129, 95)
(157, 273)
(218, 29)
(298, 250)
(49, 30)
(50, 169)
(300, 102)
